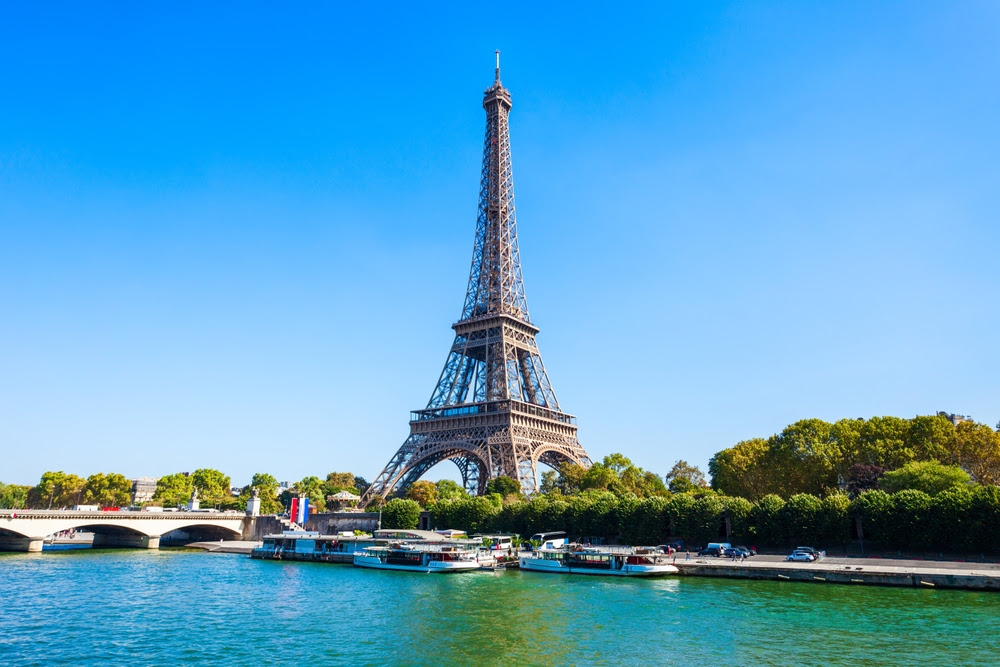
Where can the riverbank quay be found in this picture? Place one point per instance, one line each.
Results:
(851, 571)
(226, 547)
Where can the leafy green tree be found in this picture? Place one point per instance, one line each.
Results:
(570, 477)
(801, 458)
(554, 515)
(684, 477)
(976, 448)
(213, 486)
(341, 481)
(401, 513)
(647, 525)
(766, 520)
(448, 490)
(599, 477)
(930, 437)
(707, 519)
(802, 517)
(267, 490)
(503, 485)
(951, 519)
(173, 490)
(58, 489)
(862, 477)
(71, 490)
(984, 526)
(742, 470)
(424, 493)
(908, 520)
(738, 510)
(550, 483)
(883, 442)
(13, 496)
(313, 488)
(679, 516)
(108, 490)
(361, 484)
(873, 509)
(836, 520)
(930, 477)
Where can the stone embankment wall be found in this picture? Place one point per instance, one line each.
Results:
(259, 526)
(928, 577)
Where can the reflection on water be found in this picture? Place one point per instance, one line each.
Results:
(169, 607)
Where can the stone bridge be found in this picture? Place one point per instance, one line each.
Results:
(26, 530)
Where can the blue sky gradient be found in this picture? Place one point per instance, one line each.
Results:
(236, 235)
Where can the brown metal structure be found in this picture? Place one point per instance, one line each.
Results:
(493, 411)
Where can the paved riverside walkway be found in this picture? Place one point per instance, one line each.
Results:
(856, 571)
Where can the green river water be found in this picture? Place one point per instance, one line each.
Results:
(180, 607)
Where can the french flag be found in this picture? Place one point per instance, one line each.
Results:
(303, 512)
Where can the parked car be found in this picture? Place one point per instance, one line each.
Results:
(749, 551)
(711, 551)
(810, 550)
(801, 556)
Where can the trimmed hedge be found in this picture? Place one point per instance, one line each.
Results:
(962, 519)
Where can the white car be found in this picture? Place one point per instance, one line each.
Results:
(801, 556)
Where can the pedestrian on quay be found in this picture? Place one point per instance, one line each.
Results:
(688, 557)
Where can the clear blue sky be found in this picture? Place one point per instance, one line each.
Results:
(236, 235)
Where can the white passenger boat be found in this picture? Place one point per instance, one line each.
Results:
(620, 562)
(418, 558)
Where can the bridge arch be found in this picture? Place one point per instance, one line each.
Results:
(26, 530)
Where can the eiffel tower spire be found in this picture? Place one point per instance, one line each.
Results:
(493, 411)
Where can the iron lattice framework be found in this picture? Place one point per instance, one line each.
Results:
(493, 411)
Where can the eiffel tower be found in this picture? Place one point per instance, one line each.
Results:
(493, 411)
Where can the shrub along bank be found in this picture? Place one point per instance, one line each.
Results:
(961, 519)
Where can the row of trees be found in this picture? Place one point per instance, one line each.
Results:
(817, 457)
(959, 519)
(57, 489)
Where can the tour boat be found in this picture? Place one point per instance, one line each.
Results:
(418, 558)
(621, 561)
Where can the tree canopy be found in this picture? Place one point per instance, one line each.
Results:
(817, 457)
(422, 492)
(503, 485)
(930, 477)
(173, 490)
(108, 490)
(401, 513)
(213, 486)
(685, 477)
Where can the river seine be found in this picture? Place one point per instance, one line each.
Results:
(169, 607)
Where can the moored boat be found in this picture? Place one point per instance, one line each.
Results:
(418, 558)
(311, 546)
(620, 562)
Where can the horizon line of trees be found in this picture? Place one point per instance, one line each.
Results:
(819, 458)
(810, 457)
(60, 490)
(964, 518)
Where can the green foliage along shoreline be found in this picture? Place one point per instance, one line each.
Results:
(909, 484)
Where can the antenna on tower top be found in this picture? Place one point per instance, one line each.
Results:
(498, 64)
